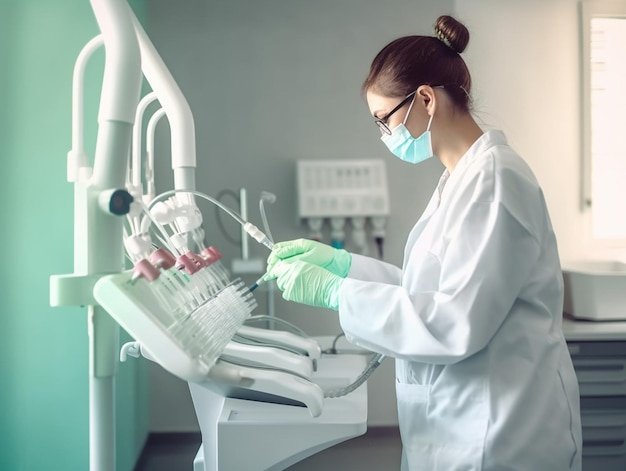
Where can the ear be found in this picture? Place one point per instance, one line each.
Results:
(427, 98)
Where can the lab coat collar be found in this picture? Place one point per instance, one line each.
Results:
(449, 180)
(485, 142)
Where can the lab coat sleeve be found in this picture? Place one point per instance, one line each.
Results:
(486, 261)
(370, 269)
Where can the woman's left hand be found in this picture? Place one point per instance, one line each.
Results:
(305, 283)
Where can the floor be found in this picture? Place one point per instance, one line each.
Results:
(378, 449)
(169, 452)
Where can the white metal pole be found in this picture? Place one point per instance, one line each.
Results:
(101, 247)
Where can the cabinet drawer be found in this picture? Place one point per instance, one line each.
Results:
(600, 367)
(604, 440)
(604, 433)
(608, 348)
(604, 463)
(604, 426)
(601, 376)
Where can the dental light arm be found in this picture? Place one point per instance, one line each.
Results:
(120, 93)
(177, 109)
(179, 115)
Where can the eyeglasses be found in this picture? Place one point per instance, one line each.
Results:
(382, 122)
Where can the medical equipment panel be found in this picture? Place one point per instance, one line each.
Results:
(351, 196)
(342, 188)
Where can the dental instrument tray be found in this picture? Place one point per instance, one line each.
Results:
(185, 344)
(198, 347)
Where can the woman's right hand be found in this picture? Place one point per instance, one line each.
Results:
(337, 261)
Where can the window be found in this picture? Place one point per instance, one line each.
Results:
(604, 119)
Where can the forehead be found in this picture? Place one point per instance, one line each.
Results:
(379, 104)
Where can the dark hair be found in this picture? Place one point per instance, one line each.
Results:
(409, 62)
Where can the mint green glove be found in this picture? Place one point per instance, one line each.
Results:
(337, 261)
(306, 283)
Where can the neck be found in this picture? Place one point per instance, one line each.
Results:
(461, 132)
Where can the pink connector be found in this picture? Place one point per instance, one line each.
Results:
(143, 268)
(211, 255)
(162, 259)
(190, 262)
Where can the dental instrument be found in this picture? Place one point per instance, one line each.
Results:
(296, 341)
(256, 284)
(157, 207)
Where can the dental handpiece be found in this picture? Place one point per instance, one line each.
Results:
(256, 284)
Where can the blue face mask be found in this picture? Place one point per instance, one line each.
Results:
(406, 147)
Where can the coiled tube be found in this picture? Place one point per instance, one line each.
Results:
(371, 367)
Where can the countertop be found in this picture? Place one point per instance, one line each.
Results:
(583, 330)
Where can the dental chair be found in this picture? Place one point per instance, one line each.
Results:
(261, 396)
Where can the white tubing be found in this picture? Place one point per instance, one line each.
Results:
(137, 127)
(77, 157)
(374, 363)
(150, 132)
(149, 170)
(243, 209)
(184, 177)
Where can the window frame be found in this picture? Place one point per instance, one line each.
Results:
(590, 9)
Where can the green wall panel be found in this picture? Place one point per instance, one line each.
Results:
(44, 418)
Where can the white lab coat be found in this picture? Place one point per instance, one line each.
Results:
(484, 380)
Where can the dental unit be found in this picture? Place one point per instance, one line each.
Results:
(178, 301)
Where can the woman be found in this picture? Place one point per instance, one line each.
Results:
(484, 380)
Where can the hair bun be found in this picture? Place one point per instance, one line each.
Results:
(452, 33)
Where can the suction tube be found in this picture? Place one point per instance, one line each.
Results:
(137, 128)
(371, 367)
(76, 157)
